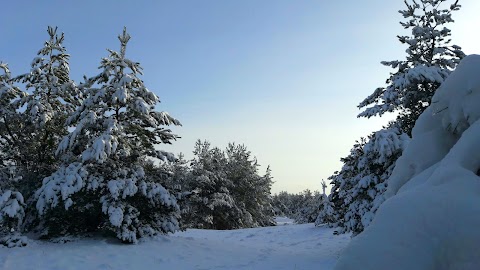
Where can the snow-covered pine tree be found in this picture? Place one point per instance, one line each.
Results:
(12, 204)
(51, 97)
(327, 214)
(10, 95)
(266, 212)
(359, 187)
(212, 206)
(430, 59)
(31, 123)
(102, 184)
(340, 181)
(251, 190)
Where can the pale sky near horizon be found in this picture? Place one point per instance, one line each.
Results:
(282, 77)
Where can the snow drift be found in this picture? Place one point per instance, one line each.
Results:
(431, 218)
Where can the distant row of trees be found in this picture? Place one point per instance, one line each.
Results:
(305, 207)
(80, 158)
(302, 207)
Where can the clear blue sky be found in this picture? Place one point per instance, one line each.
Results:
(282, 77)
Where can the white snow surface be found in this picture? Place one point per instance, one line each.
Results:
(431, 220)
(290, 247)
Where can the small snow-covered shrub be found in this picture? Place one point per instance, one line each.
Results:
(429, 61)
(14, 240)
(327, 214)
(12, 210)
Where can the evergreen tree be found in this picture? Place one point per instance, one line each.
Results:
(10, 156)
(213, 205)
(31, 122)
(327, 214)
(430, 59)
(10, 96)
(266, 214)
(359, 187)
(51, 97)
(340, 181)
(225, 190)
(251, 191)
(102, 183)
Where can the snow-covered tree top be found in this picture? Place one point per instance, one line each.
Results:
(121, 110)
(52, 91)
(430, 59)
(428, 42)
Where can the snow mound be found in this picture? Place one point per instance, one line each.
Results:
(432, 215)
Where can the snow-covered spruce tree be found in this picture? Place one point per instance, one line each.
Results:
(212, 206)
(102, 184)
(327, 214)
(359, 187)
(430, 59)
(31, 123)
(226, 191)
(12, 204)
(266, 214)
(340, 181)
(51, 97)
(9, 99)
(251, 190)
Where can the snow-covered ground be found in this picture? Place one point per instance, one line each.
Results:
(288, 246)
